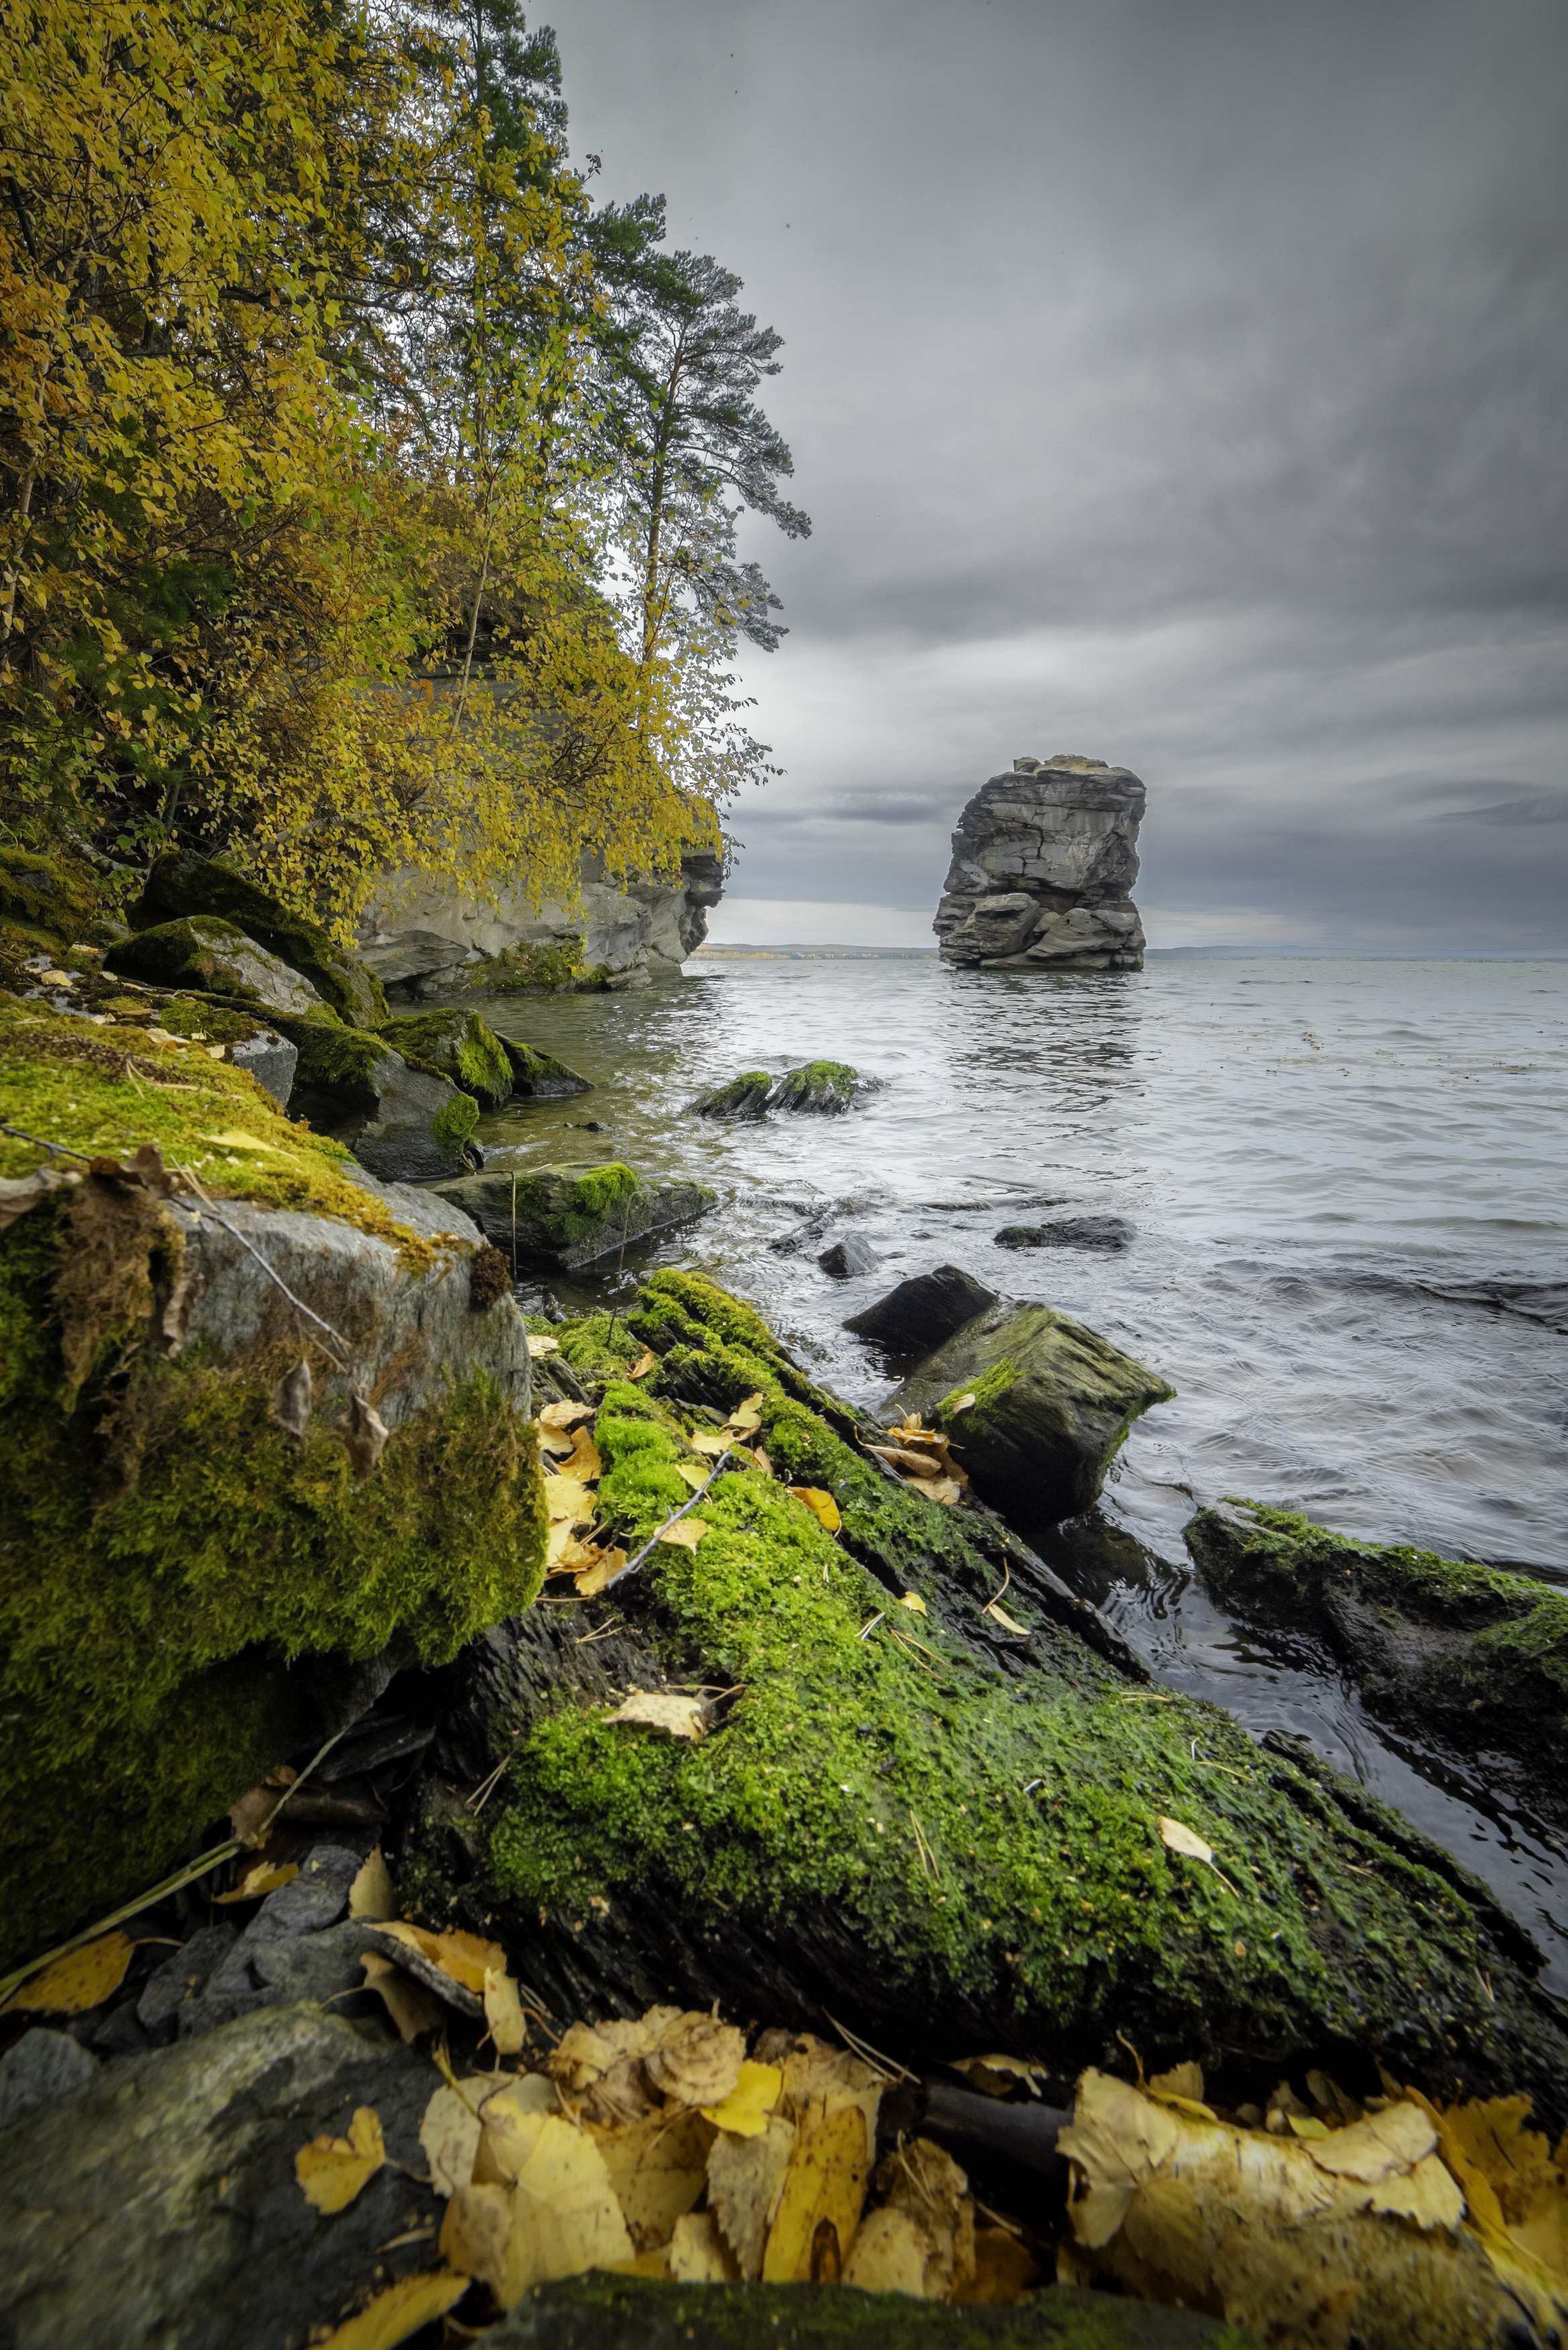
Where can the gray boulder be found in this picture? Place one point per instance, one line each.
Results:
(271, 1060)
(42, 2068)
(1036, 1406)
(204, 952)
(923, 1311)
(1068, 1232)
(848, 1259)
(568, 1216)
(1043, 862)
(160, 2208)
(404, 1120)
(180, 884)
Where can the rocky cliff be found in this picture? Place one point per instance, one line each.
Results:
(424, 938)
(1043, 862)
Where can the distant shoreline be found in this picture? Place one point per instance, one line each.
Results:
(814, 954)
(1229, 954)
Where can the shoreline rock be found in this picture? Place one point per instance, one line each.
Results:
(816, 1088)
(562, 1217)
(1043, 859)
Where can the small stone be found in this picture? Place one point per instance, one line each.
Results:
(43, 2068)
(848, 1258)
(1068, 1232)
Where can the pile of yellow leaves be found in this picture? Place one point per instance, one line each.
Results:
(1394, 2221)
(923, 1459)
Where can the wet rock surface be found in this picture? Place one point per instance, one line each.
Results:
(1069, 1232)
(820, 1089)
(924, 1311)
(848, 1258)
(568, 1216)
(1043, 859)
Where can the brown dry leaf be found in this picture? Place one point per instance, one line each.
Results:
(909, 1464)
(685, 1534)
(404, 2307)
(745, 2181)
(450, 2131)
(20, 1192)
(555, 1443)
(564, 1415)
(1505, 2170)
(250, 1815)
(558, 2217)
(70, 1985)
(659, 2167)
(822, 1505)
(679, 1717)
(414, 2010)
(705, 1439)
(541, 1346)
(1187, 1842)
(503, 2013)
(821, 2079)
(826, 2181)
(746, 2108)
(761, 1461)
(364, 1435)
(1384, 2145)
(913, 1601)
(919, 2178)
(994, 2075)
(643, 1365)
(602, 1568)
(697, 2060)
(945, 1490)
(372, 1894)
(290, 1404)
(332, 2170)
(891, 2253)
(1004, 2268)
(696, 1476)
(746, 1416)
(1009, 1623)
(1183, 2082)
(1429, 2195)
(588, 2051)
(697, 2254)
(261, 1878)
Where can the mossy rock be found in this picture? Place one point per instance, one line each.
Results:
(204, 952)
(1471, 1655)
(599, 2312)
(458, 1044)
(917, 1823)
(1037, 1407)
(540, 1077)
(51, 900)
(180, 884)
(569, 1216)
(185, 1589)
(743, 1100)
(823, 1088)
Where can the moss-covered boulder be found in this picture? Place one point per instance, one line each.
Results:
(181, 884)
(825, 1087)
(1037, 1407)
(47, 902)
(567, 1216)
(1472, 1657)
(540, 1077)
(942, 1828)
(194, 1563)
(204, 952)
(743, 1100)
(461, 1047)
(401, 1118)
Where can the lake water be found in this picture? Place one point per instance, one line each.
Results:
(1346, 1181)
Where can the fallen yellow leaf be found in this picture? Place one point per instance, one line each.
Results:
(746, 2108)
(890, 2254)
(371, 1895)
(557, 2217)
(1004, 2269)
(822, 1505)
(747, 1415)
(450, 2131)
(466, 1958)
(413, 2010)
(762, 1461)
(565, 1415)
(826, 2181)
(685, 1534)
(697, 2254)
(657, 2168)
(681, 1717)
(745, 2179)
(582, 1461)
(402, 2309)
(696, 1476)
(539, 1348)
(912, 1600)
(69, 1986)
(503, 2013)
(260, 1878)
(643, 1365)
(332, 2170)
(1008, 1623)
(604, 1566)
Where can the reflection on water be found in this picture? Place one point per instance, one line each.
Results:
(1344, 1181)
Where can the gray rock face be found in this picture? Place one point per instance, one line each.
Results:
(205, 951)
(1043, 859)
(568, 1216)
(272, 1061)
(426, 939)
(44, 2068)
(923, 1311)
(160, 2205)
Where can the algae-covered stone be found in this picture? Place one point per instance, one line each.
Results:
(51, 901)
(1469, 1656)
(744, 1100)
(924, 1826)
(185, 1586)
(461, 1047)
(1036, 1406)
(827, 1088)
(569, 1216)
(204, 952)
(181, 884)
(540, 1077)
(401, 1118)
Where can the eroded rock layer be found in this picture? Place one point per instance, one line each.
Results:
(1043, 859)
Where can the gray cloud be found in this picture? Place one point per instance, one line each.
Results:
(1178, 380)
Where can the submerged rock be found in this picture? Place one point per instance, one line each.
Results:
(923, 1311)
(569, 1216)
(1036, 1406)
(744, 1100)
(160, 2204)
(1467, 1657)
(1043, 862)
(1068, 1232)
(825, 1087)
(221, 1554)
(204, 952)
(923, 1821)
(540, 1077)
(180, 884)
(461, 1047)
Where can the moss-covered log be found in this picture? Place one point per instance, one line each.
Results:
(187, 1588)
(914, 1819)
(1470, 1657)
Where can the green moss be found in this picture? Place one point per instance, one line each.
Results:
(458, 1044)
(555, 970)
(454, 1122)
(566, 1217)
(51, 901)
(180, 884)
(598, 1343)
(1039, 1799)
(818, 1084)
(540, 1075)
(745, 1096)
(975, 1396)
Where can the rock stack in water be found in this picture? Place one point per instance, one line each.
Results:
(1043, 862)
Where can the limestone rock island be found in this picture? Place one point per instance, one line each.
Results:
(1043, 862)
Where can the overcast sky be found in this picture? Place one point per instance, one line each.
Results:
(1179, 382)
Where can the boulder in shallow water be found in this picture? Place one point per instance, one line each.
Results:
(848, 1259)
(744, 1100)
(405, 1121)
(205, 951)
(1068, 1232)
(825, 1088)
(540, 1077)
(568, 1216)
(1036, 1406)
(923, 1311)
(460, 1045)
(180, 884)
(1043, 861)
